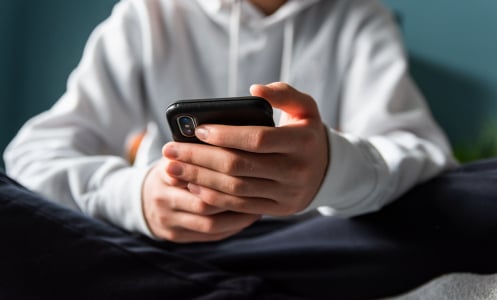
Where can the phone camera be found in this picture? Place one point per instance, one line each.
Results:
(186, 125)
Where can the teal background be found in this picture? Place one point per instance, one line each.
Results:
(452, 45)
(453, 49)
(40, 43)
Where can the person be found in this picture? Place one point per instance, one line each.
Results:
(343, 65)
(354, 132)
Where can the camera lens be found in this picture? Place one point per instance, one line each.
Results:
(186, 125)
(184, 120)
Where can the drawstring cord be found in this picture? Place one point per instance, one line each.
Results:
(234, 50)
(286, 59)
(234, 33)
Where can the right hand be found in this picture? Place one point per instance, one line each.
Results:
(175, 214)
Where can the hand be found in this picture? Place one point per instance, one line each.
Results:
(258, 170)
(174, 214)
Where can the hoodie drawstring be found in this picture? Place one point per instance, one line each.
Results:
(286, 59)
(234, 51)
(235, 19)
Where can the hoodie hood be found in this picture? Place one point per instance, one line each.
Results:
(235, 13)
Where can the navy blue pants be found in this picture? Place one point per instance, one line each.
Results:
(448, 224)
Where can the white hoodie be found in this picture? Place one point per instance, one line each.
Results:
(347, 54)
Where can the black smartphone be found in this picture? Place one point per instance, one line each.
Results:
(184, 116)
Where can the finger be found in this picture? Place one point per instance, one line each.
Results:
(248, 205)
(215, 224)
(224, 160)
(286, 139)
(224, 183)
(181, 235)
(174, 181)
(175, 199)
(285, 97)
(160, 171)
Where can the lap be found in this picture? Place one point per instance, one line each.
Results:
(49, 252)
(441, 226)
(458, 204)
(444, 225)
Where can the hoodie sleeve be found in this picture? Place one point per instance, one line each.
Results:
(386, 140)
(74, 153)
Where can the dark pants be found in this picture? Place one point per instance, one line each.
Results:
(448, 224)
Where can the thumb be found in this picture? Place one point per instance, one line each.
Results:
(283, 96)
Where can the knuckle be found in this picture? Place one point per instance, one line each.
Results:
(190, 173)
(208, 198)
(171, 235)
(154, 198)
(236, 186)
(163, 222)
(241, 204)
(173, 203)
(258, 139)
(200, 207)
(284, 85)
(233, 165)
(164, 230)
(207, 225)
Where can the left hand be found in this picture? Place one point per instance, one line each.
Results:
(254, 169)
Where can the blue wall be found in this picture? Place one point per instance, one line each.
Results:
(453, 48)
(40, 43)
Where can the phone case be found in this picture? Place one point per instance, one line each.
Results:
(184, 115)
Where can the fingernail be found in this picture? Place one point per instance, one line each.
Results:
(255, 89)
(194, 189)
(170, 151)
(175, 169)
(254, 86)
(201, 132)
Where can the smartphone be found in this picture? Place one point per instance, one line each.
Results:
(183, 116)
